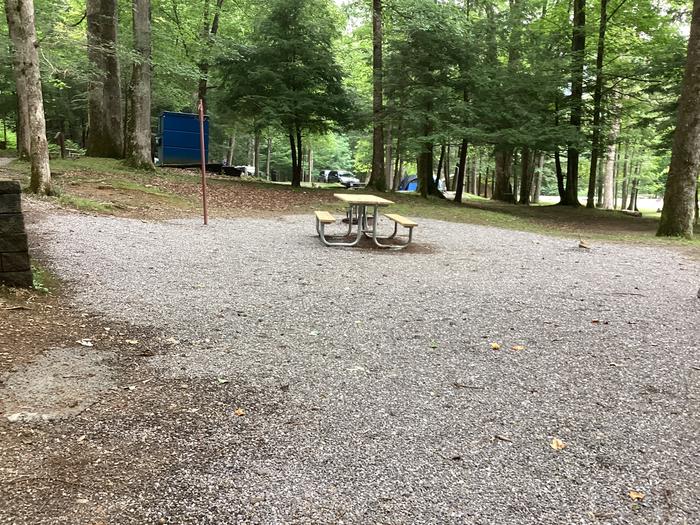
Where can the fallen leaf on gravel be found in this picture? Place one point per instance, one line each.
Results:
(313, 332)
(557, 444)
(636, 496)
(239, 412)
(595, 321)
(85, 342)
(132, 342)
(172, 341)
(81, 438)
(495, 346)
(433, 344)
(518, 347)
(130, 387)
(584, 245)
(503, 438)
(81, 500)
(221, 380)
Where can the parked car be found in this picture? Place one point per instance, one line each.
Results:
(323, 175)
(346, 178)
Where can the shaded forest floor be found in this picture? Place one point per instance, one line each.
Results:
(106, 186)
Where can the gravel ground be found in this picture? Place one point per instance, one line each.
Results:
(371, 390)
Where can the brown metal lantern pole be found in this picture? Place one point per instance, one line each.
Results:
(204, 161)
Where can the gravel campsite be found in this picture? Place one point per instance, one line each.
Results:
(248, 374)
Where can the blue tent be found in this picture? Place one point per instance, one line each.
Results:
(411, 183)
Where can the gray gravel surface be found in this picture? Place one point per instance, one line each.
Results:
(371, 390)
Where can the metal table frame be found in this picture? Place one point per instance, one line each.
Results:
(359, 211)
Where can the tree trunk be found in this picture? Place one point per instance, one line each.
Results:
(311, 161)
(105, 127)
(597, 105)
(461, 167)
(23, 136)
(297, 160)
(578, 48)
(231, 148)
(208, 35)
(425, 169)
(267, 158)
(439, 166)
(20, 17)
(474, 172)
(447, 168)
(527, 170)
(599, 182)
(377, 178)
(389, 164)
(625, 177)
(504, 164)
(679, 207)
(139, 143)
(397, 165)
(293, 152)
(610, 155)
(256, 153)
(538, 177)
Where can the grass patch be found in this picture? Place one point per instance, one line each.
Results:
(43, 281)
(83, 204)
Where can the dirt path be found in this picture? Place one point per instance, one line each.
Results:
(255, 376)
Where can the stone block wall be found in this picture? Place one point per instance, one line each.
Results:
(15, 269)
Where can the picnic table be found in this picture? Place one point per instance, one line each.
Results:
(361, 210)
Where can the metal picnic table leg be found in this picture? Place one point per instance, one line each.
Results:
(321, 233)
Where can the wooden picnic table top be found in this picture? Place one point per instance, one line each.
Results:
(359, 198)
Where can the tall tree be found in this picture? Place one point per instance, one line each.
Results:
(292, 78)
(138, 147)
(210, 28)
(377, 178)
(20, 19)
(578, 49)
(105, 132)
(679, 198)
(597, 104)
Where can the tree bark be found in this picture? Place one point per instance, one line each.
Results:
(293, 151)
(20, 17)
(610, 155)
(626, 176)
(461, 168)
(389, 164)
(679, 206)
(105, 126)
(267, 158)
(474, 190)
(425, 169)
(311, 161)
(23, 135)
(231, 148)
(527, 170)
(298, 168)
(578, 48)
(504, 165)
(208, 35)
(256, 153)
(447, 168)
(398, 163)
(138, 151)
(597, 105)
(440, 164)
(377, 177)
(538, 177)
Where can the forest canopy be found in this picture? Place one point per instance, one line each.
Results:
(506, 95)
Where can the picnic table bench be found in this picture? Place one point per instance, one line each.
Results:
(358, 213)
